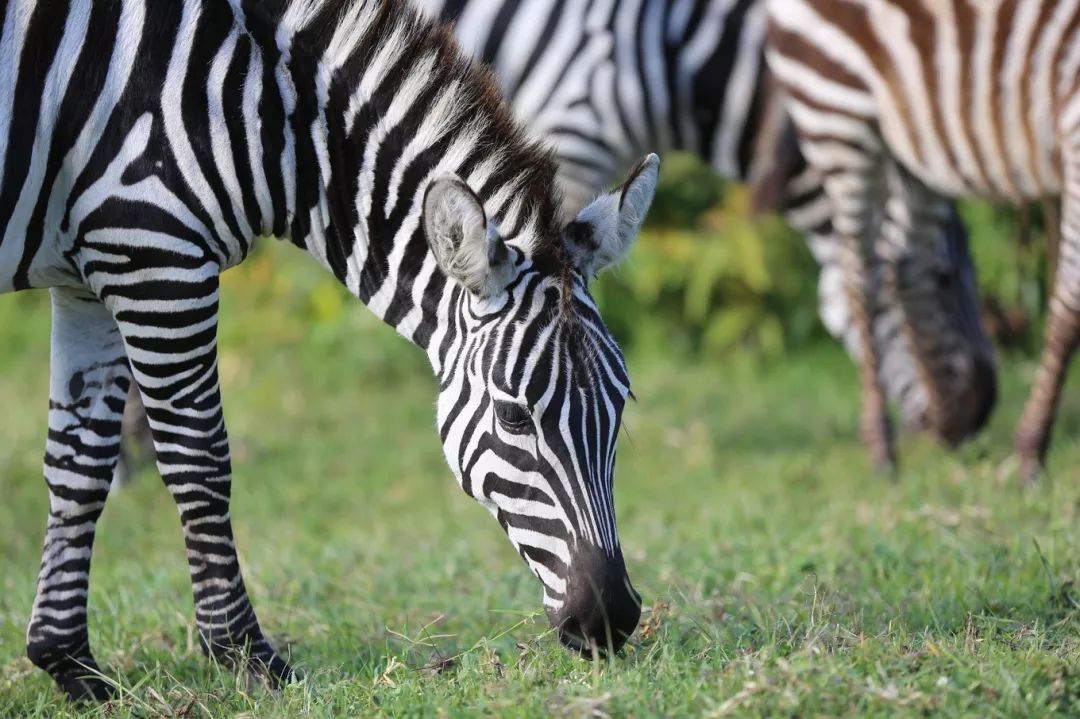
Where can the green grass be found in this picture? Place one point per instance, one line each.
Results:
(781, 576)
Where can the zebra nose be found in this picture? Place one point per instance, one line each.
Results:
(601, 609)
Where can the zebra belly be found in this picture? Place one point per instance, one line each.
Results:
(974, 112)
(975, 164)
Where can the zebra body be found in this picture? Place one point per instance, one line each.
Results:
(980, 108)
(601, 82)
(895, 100)
(144, 150)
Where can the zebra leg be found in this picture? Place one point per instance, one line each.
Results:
(89, 380)
(856, 195)
(875, 427)
(176, 370)
(1062, 333)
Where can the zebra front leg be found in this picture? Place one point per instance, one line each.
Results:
(89, 381)
(1062, 333)
(875, 427)
(856, 195)
(176, 370)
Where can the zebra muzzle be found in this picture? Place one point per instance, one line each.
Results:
(601, 609)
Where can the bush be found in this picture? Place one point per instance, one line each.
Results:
(707, 278)
(1009, 249)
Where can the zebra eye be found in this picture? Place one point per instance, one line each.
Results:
(513, 417)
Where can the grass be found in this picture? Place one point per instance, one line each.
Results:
(781, 576)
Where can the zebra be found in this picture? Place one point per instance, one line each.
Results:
(144, 151)
(603, 81)
(897, 103)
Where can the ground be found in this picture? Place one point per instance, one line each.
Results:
(780, 575)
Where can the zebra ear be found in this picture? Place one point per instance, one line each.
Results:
(457, 232)
(602, 233)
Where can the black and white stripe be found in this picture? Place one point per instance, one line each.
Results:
(143, 147)
(603, 81)
(897, 103)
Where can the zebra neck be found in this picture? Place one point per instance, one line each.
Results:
(376, 103)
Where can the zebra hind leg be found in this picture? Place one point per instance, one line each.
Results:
(1062, 331)
(176, 369)
(89, 380)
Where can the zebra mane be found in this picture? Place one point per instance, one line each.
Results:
(341, 37)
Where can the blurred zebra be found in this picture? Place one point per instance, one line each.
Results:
(603, 81)
(144, 147)
(895, 102)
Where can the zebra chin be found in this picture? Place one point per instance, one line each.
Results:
(600, 609)
(965, 410)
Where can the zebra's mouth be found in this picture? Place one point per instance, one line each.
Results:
(571, 637)
(601, 609)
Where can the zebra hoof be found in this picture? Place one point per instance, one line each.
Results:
(261, 663)
(272, 670)
(1030, 471)
(273, 677)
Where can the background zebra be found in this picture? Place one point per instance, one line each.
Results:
(897, 101)
(603, 82)
(142, 153)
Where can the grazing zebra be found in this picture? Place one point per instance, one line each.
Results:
(604, 81)
(895, 102)
(144, 150)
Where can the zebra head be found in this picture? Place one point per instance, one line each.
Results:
(531, 392)
(936, 361)
(936, 290)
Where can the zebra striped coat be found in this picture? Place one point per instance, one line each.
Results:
(143, 148)
(604, 81)
(895, 101)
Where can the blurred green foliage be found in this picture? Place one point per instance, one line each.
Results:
(1011, 254)
(706, 279)
(709, 279)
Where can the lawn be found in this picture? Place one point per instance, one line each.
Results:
(780, 575)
